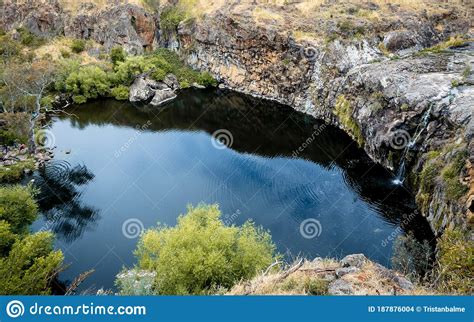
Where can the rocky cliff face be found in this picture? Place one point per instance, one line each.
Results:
(397, 103)
(126, 25)
(411, 110)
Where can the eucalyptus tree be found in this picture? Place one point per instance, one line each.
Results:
(24, 86)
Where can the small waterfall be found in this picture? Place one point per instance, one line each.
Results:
(400, 176)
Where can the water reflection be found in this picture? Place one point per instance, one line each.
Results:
(271, 130)
(59, 199)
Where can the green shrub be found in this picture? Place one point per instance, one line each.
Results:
(27, 262)
(17, 207)
(7, 138)
(120, 92)
(65, 53)
(7, 238)
(88, 82)
(9, 48)
(170, 19)
(451, 175)
(30, 266)
(78, 45)
(14, 173)
(455, 263)
(155, 64)
(117, 54)
(27, 38)
(316, 286)
(201, 254)
(65, 68)
(207, 80)
(343, 110)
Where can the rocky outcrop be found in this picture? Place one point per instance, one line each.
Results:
(148, 91)
(353, 275)
(126, 25)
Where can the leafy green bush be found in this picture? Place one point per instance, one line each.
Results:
(88, 82)
(156, 65)
(207, 80)
(201, 254)
(14, 173)
(8, 48)
(170, 19)
(7, 138)
(451, 174)
(65, 68)
(65, 53)
(117, 54)
(27, 38)
(93, 81)
(27, 262)
(120, 92)
(316, 286)
(343, 110)
(29, 266)
(78, 45)
(17, 207)
(455, 263)
(7, 237)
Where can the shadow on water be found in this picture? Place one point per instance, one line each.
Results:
(58, 185)
(282, 167)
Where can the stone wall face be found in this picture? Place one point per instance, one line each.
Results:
(397, 109)
(124, 25)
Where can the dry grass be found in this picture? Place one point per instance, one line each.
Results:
(313, 278)
(297, 283)
(60, 47)
(265, 16)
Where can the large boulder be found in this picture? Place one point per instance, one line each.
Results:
(148, 91)
(398, 40)
(162, 96)
(142, 90)
(172, 81)
(340, 287)
(354, 260)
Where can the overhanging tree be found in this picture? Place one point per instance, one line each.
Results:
(25, 86)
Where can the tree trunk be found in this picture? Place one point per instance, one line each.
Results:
(31, 132)
(31, 137)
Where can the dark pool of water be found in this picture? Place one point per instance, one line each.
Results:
(149, 164)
